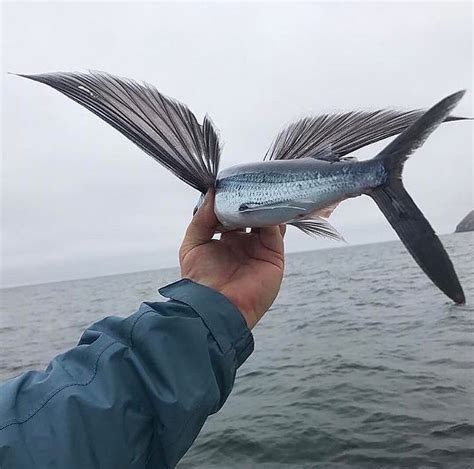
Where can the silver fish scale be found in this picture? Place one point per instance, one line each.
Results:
(291, 186)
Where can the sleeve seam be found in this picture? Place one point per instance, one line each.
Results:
(210, 384)
(180, 432)
(135, 322)
(57, 391)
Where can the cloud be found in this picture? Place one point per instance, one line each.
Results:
(79, 200)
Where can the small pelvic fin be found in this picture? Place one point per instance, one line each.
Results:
(317, 226)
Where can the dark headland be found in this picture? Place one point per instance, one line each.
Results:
(466, 224)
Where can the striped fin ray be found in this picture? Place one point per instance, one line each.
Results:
(317, 226)
(161, 126)
(342, 133)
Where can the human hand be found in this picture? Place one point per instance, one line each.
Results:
(247, 268)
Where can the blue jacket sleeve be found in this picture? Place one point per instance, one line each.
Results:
(134, 392)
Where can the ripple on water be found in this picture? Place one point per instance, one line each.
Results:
(354, 366)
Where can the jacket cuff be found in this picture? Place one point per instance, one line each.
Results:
(221, 317)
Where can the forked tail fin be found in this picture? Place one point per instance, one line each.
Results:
(405, 217)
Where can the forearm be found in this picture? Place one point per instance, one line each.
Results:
(134, 390)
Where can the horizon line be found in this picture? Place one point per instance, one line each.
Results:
(114, 274)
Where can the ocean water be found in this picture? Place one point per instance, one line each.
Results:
(361, 362)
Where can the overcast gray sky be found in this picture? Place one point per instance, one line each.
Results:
(79, 200)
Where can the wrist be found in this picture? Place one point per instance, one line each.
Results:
(225, 322)
(249, 315)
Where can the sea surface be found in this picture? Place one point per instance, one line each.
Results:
(361, 362)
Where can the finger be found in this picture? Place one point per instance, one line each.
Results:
(283, 230)
(231, 237)
(271, 238)
(204, 223)
(232, 233)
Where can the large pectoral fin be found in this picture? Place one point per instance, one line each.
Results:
(162, 127)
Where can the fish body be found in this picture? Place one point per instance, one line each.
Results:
(306, 172)
(282, 191)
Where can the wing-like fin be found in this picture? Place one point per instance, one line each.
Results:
(161, 126)
(343, 133)
(317, 226)
(325, 153)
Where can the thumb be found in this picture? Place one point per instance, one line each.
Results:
(203, 225)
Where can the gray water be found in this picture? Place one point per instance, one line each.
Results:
(361, 362)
